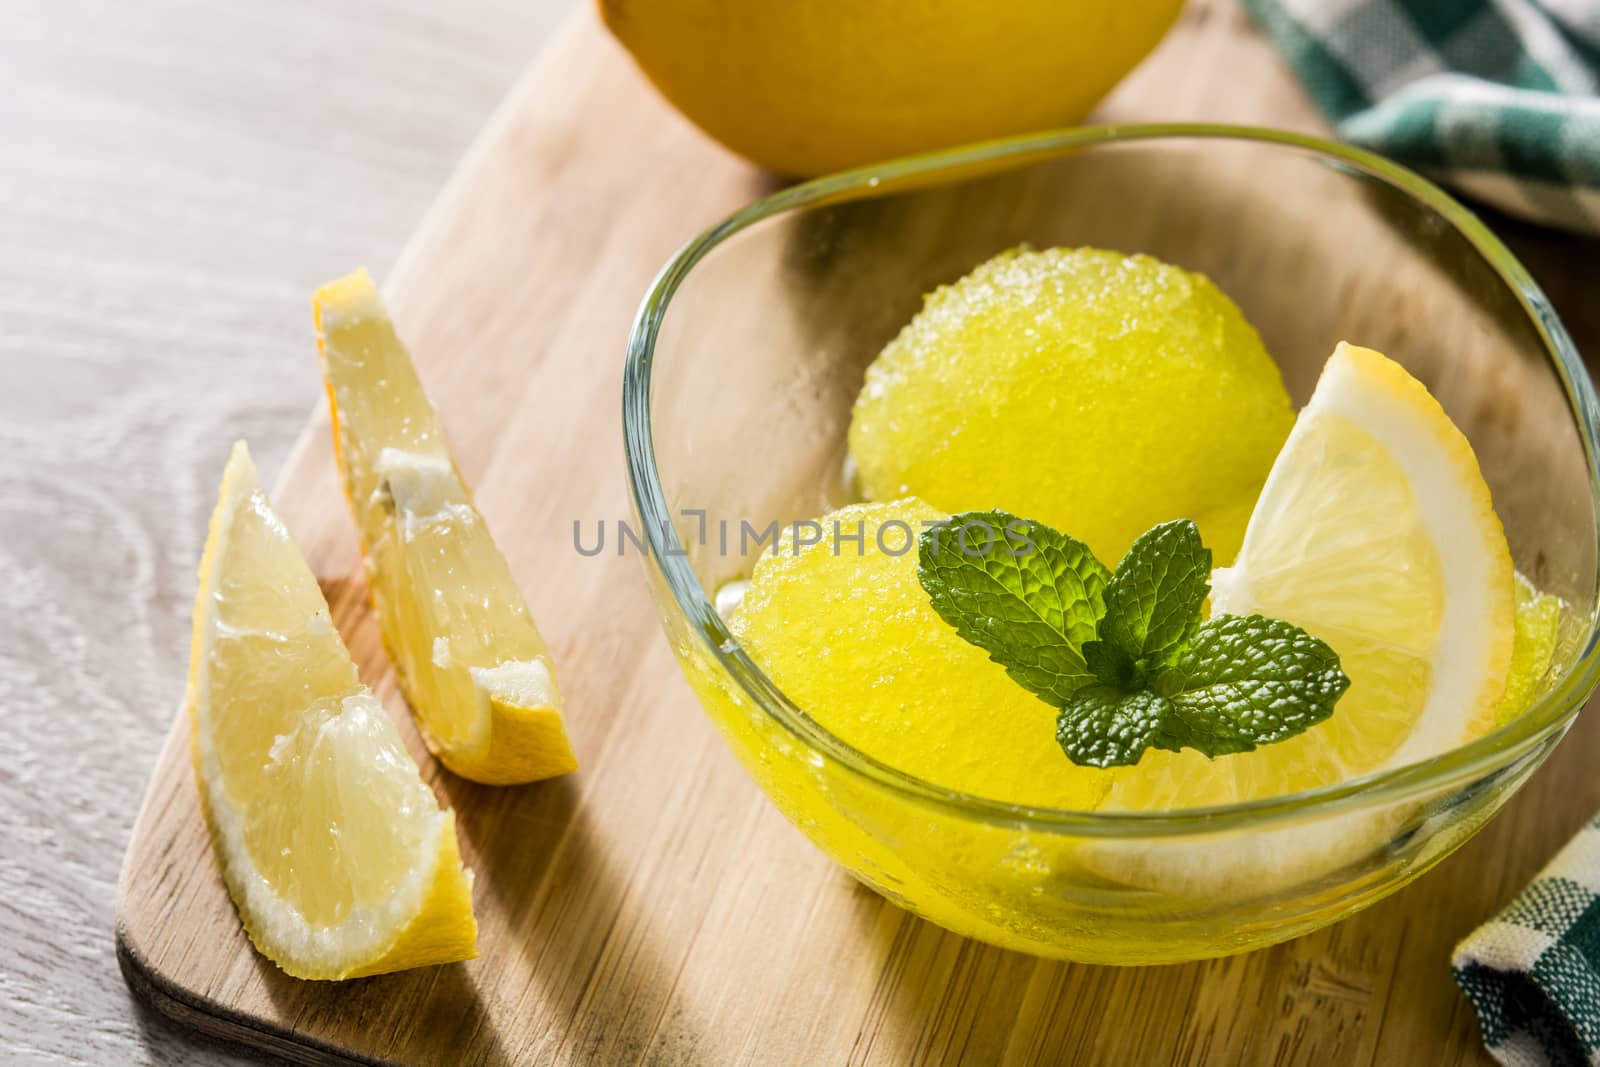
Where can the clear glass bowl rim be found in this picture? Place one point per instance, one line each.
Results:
(1539, 724)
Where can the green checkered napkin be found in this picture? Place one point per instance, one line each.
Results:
(1496, 98)
(1533, 972)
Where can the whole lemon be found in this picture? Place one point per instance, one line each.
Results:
(1096, 392)
(804, 87)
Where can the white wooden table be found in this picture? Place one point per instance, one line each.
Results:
(176, 176)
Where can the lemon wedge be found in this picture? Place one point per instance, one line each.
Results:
(1375, 532)
(335, 852)
(470, 659)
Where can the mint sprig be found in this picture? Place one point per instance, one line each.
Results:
(1127, 658)
(1153, 602)
(1025, 594)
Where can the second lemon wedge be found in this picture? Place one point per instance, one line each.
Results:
(469, 657)
(1375, 532)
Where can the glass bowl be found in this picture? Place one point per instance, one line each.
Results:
(749, 350)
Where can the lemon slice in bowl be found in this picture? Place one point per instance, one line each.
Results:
(470, 660)
(334, 850)
(1375, 532)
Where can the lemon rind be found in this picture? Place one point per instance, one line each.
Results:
(1456, 509)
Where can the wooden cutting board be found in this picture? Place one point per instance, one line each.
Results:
(654, 908)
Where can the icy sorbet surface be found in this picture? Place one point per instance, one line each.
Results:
(1096, 392)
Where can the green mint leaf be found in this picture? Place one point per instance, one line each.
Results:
(1025, 594)
(1244, 681)
(1153, 601)
(1106, 727)
(1111, 665)
(1126, 658)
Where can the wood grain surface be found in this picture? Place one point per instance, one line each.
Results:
(175, 177)
(654, 908)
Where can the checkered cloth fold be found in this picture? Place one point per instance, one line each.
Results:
(1533, 972)
(1496, 98)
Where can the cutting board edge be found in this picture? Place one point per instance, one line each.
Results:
(173, 1002)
